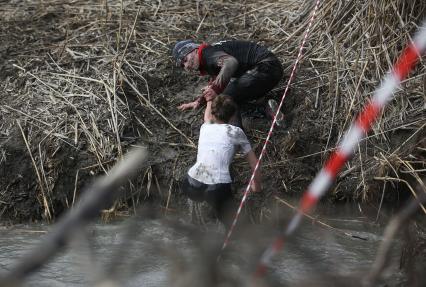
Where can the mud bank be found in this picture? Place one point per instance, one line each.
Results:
(82, 82)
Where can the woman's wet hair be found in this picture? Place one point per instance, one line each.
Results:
(223, 108)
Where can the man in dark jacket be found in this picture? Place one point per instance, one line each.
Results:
(242, 70)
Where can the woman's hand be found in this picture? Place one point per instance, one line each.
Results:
(208, 93)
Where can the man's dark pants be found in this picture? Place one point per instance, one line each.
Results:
(254, 84)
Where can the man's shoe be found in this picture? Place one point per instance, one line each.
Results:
(271, 110)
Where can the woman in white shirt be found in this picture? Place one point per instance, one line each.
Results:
(209, 178)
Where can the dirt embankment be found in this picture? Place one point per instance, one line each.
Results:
(82, 82)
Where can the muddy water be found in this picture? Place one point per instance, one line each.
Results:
(314, 250)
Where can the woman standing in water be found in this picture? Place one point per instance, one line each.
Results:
(209, 178)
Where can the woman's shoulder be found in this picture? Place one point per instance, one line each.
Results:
(235, 133)
(225, 128)
(234, 128)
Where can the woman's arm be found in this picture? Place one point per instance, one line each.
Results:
(252, 160)
(208, 117)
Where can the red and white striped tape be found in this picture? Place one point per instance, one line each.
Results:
(409, 57)
(247, 190)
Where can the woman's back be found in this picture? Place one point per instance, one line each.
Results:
(217, 146)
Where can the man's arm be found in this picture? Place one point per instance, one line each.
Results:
(193, 105)
(252, 160)
(228, 66)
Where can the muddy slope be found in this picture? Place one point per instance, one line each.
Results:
(82, 82)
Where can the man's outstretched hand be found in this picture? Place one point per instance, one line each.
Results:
(192, 105)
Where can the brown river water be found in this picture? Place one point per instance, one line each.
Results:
(144, 258)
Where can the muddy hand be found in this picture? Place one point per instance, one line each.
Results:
(208, 93)
(187, 106)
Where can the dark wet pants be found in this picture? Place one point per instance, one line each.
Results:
(254, 84)
(218, 196)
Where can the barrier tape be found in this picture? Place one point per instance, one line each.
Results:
(362, 124)
(247, 190)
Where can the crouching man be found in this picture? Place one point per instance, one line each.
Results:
(243, 70)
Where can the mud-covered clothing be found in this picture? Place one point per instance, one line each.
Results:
(254, 69)
(218, 196)
(217, 145)
(209, 178)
